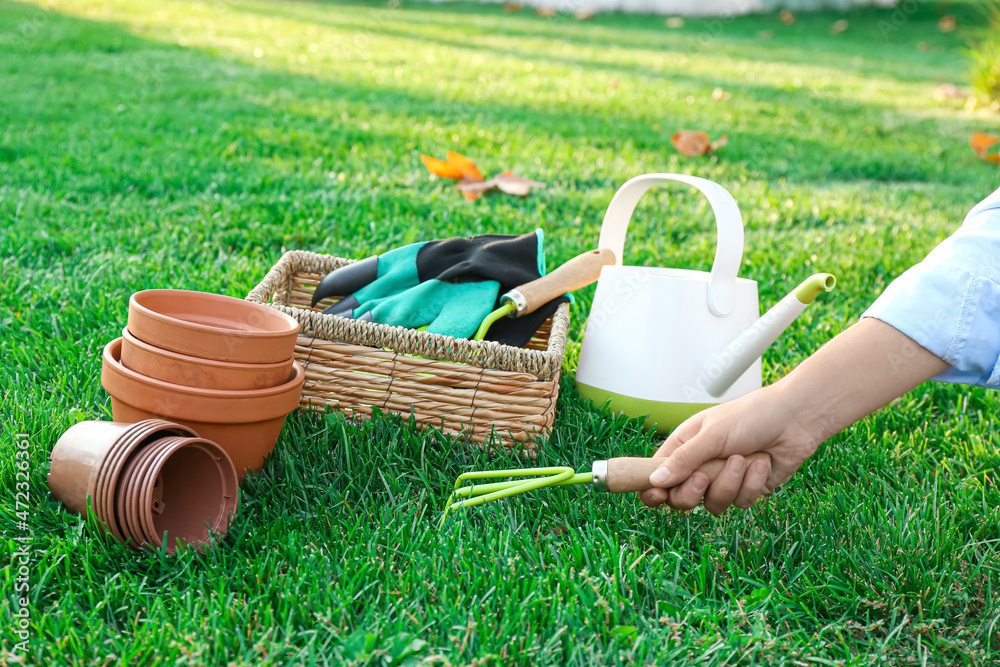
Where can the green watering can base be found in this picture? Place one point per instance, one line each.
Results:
(660, 417)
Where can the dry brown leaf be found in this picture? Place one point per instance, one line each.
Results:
(477, 188)
(691, 143)
(981, 143)
(512, 7)
(547, 12)
(516, 185)
(466, 166)
(694, 143)
(471, 189)
(506, 182)
(947, 23)
(948, 91)
(839, 26)
(584, 15)
(441, 168)
(471, 183)
(787, 17)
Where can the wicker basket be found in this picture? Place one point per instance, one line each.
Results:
(483, 391)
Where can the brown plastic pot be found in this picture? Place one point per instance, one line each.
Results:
(212, 326)
(190, 492)
(146, 432)
(146, 479)
(129, 487)
(127, 482)
(183, 369)
(77, 459)
(245, 423)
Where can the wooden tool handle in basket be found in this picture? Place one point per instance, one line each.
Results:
(578, 272)
(628, 474)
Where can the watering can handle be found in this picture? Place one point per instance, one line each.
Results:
(728, 221)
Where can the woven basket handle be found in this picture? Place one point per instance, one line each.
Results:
(728, 221)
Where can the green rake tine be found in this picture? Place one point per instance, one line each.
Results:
(512, 472)
(477, 494)
(481, 489)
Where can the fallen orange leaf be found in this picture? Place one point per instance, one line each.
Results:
(465, 165)
(470, 179)
(441, 168)
(547, 12)
(982, 143)
(694, 142)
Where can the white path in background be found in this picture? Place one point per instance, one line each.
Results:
(693, 7)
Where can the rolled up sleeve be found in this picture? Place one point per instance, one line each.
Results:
(950, 302)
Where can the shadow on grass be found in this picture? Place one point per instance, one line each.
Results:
(881, 34)
(261, 126)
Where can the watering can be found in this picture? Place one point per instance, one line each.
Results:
(667, 343)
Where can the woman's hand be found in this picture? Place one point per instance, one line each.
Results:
(763, 421)
(857, 373)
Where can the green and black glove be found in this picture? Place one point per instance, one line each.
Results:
(449, 286)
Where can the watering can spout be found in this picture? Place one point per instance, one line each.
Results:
(725, 367)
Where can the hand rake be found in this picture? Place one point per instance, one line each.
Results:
(618, 475)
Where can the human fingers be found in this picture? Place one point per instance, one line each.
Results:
(704, 446)
(687, 430)
(653, 498)
(688, 495)
(778, 475)
(754, 484)
(726, 487)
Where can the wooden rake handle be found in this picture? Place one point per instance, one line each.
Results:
(628, 474)
(578, 272)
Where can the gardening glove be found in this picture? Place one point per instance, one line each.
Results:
(447, 286)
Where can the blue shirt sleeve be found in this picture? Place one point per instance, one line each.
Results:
(950, 302)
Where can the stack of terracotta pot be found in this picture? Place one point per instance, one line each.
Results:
(149, 483)
(220, 366)
(200, 387)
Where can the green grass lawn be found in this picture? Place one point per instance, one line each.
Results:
(178, 144)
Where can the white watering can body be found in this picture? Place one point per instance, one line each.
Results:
(667, 343)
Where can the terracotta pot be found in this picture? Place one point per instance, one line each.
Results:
(212, 326)
(146, 432)
(182, 369)
(77, 458)
(245, 423)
